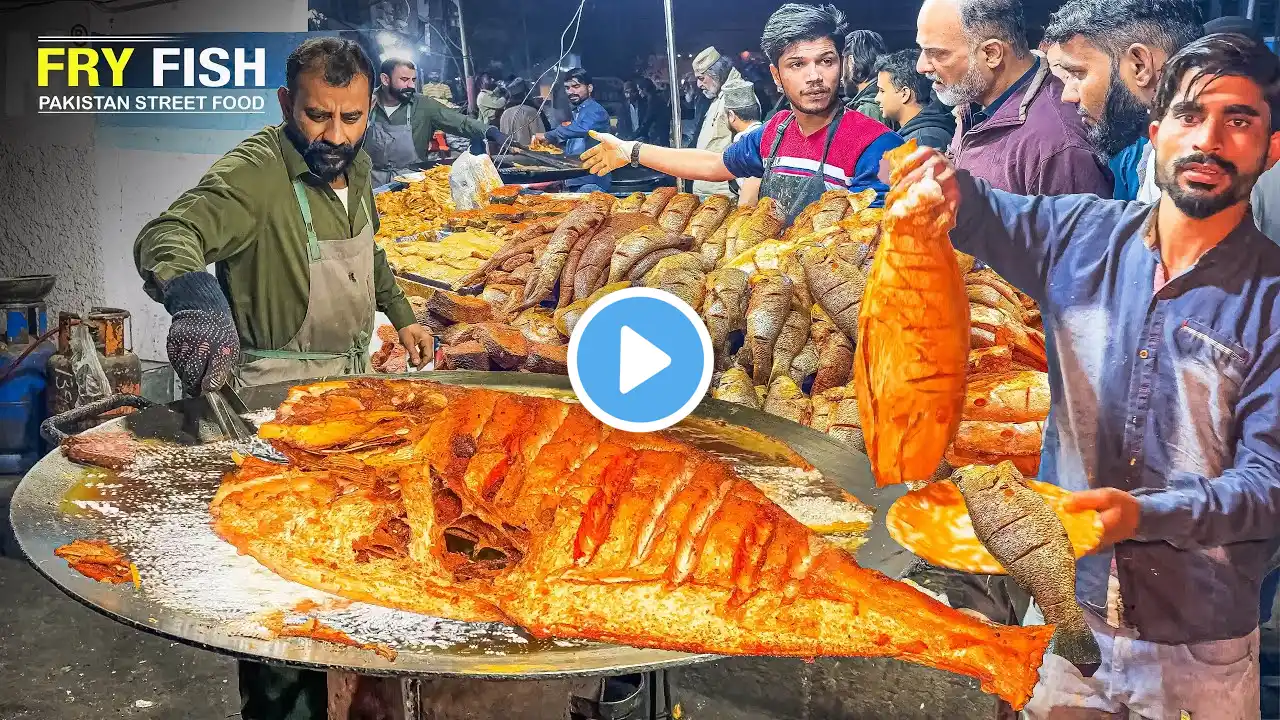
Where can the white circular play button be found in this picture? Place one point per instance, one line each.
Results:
(640, 359)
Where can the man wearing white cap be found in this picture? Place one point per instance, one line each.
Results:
(713, 71)
(742, 109)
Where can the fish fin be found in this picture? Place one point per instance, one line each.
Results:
(1074, 641)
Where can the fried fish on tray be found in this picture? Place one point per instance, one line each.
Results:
(98, 560)
(495, 506)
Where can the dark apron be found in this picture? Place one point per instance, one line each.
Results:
(793, 193)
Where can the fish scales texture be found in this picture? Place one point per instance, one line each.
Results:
(676, 215)
(912, 349)
(567, 528)
(725, 310)
(767, 311)
(1021, 531)
(582, 220)
(708, 218)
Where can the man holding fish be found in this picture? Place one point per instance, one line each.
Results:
(1166, 388)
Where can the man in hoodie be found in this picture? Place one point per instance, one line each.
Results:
(712, 71)
(861, 48)
(1109, 54)
(1015, 131)
(903, 97)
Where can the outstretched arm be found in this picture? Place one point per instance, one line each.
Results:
(689, 164)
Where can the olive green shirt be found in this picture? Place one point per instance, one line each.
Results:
(244, 218)
(429, 115)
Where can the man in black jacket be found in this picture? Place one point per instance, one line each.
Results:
(903, 96)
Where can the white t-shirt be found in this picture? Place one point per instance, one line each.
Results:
(390, 109)
(342, 195)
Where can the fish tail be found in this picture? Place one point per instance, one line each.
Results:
(1074, 641)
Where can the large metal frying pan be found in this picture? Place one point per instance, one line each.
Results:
(42, 523)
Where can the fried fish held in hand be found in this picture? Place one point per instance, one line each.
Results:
(913, 334)
(529, 511)
(1028, 539)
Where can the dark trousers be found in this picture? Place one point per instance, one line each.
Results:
(275, 692)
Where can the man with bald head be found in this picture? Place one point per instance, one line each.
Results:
(1014, 130)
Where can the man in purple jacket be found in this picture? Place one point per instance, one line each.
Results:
(1165, 370)
(1014, 130)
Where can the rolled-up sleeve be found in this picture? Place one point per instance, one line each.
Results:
(742, 158)
(866, 171)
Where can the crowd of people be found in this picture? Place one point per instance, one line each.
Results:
(1120, 174)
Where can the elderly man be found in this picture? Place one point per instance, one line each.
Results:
(1166, 381)
(713, 70)
(1015, 131)
(1109, 54)
(861, 49)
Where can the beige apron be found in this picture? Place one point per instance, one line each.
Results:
(334, 336)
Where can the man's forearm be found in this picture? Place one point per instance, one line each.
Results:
(688, 164)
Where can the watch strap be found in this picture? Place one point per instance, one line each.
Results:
(635, 154)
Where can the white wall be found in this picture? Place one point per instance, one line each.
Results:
(80, 192)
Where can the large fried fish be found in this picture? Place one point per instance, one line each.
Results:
(1027, 537)
(495, 506)
(913, 335)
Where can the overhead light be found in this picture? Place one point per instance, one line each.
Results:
(386, 39)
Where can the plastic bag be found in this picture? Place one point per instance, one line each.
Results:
(91, 380)
(471, 180)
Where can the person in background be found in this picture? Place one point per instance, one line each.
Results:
(693, 109)
(632, 116)
(819, 145)
(488, 100)
(743, 110)
(402, 124)
(903, 96)
(861, 49)
(523, 117)
(656, 125)
(1015, 132)
(1165, 373)
(287, 219)
(1109, 54)
(588, 115)
(713, 70)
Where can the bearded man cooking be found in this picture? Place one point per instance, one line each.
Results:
(287, 218)
(817, 145)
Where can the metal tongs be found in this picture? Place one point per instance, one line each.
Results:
(228, 409)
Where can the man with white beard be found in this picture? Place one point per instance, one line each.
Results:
(713, 70)
(1013, 130)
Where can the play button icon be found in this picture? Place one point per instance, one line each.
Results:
(640, 359)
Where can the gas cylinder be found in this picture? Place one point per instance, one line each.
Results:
(112, 333)
(22, 383)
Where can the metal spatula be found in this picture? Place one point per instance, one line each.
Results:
(227, 408)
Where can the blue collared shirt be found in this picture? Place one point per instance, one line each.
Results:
(588, 115)
(1172, 395)
(1124, 168)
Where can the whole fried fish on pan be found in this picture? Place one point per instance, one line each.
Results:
(530, 511)
(913, 334)
(1027, 537)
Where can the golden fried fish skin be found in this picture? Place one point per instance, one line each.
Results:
(492, 505)
(912, 350)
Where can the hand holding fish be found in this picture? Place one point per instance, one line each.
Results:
(927, 160)
(1118, 510)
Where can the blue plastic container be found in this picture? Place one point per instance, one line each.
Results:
(23, 404)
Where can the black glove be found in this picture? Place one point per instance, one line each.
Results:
(203, 343)
(494, 135)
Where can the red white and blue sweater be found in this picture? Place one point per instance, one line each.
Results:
(853, 161)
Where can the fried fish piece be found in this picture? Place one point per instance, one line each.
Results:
(98, 560)
(913, 335)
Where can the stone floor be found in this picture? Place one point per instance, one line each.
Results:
(62, 661)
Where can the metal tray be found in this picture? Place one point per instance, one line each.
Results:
(42, 522)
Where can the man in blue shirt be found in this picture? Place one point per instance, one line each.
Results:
(588, 115)
(1165, 377)
(1109, 54)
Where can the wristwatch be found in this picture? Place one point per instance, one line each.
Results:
(635, 154)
